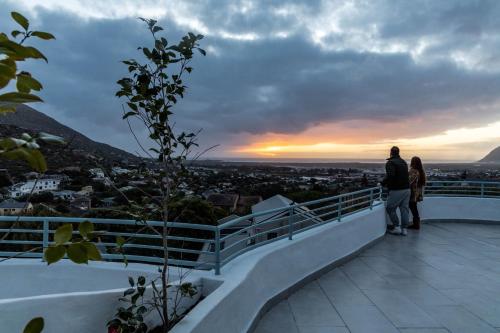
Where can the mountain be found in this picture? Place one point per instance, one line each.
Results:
(493, 156)
(27, 119)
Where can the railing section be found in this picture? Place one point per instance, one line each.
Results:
(201, 246)
(465, 188)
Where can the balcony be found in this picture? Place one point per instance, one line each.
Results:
(296, 259)
(441, 279)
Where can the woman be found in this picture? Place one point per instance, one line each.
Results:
(417, 183)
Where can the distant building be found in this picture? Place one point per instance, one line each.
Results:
(64, 195)
(233, 244)
(97, 173)
(14, 207)
(245, 203)
(81, 204)
(119, 171)
(224, 201)
(42, 185)
(86, 191)
(108, 202)
(126, 188)
(276, 223)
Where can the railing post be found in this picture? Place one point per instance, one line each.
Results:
(290, 223)
(482, 190)
(339, 209)
(45, 235)
(217, 251)
(371, 199)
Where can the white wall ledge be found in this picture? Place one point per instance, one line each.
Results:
(256, 279)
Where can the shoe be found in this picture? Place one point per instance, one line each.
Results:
(395, 231)
(390, 227)
(415, 225)
(404, 232)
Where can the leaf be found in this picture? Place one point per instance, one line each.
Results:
(7, 71)
(202, 51)
(36, 160)
(141, 280)
(92, 251)
(34, 157)
(34, 53)
(132, 106)
(35, 325)
(54, 253)
(15, 33)
(43, 35)
(131, 281)
(25, 83)
(19, 97)
(49, 138)
(86, 228)
(120, 241)
(63, 234)
(77, 253)
(129, 291)
(128, 114)
(23, 21)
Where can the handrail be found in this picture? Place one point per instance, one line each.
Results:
(229, 240)
(467, 188)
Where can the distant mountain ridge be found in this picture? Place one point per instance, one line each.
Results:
(493, 156)
(31, 120)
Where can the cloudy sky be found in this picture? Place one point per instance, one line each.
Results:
(299, 78)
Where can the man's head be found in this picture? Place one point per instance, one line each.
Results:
(394, 151)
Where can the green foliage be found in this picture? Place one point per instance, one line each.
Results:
(35, 325)
(12, 52)
(78, 249)
(130, 319)
(154, 87)
(188, 289)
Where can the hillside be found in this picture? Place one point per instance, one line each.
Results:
(27, 119)
(493, 156)
(80, 152)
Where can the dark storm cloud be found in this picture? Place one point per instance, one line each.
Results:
(276, 84)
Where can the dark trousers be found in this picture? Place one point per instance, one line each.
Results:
(414, 210)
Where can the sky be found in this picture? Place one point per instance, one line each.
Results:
(287, 79)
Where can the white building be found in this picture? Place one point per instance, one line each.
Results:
(119, 171)
(97, 172)
(42, 185)
(275, 224)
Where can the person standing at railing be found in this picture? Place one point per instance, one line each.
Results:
(417, 183)
(398, 184)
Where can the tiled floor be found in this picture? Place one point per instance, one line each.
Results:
(445, 278)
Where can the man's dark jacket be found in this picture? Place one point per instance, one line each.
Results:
(396, 174)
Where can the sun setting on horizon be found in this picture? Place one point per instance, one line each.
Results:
(468, 143)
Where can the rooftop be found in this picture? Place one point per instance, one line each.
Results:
(444, 278)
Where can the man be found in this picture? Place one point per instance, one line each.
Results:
(397, 182)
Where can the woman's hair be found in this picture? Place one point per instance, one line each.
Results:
(416, 163)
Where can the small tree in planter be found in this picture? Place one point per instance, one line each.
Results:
(152, 89)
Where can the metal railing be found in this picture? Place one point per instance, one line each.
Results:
(463, 188)
(208, 247)
(197, 246)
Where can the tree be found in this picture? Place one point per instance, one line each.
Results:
(151, 90)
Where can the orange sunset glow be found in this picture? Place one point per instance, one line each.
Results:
(446, 145)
